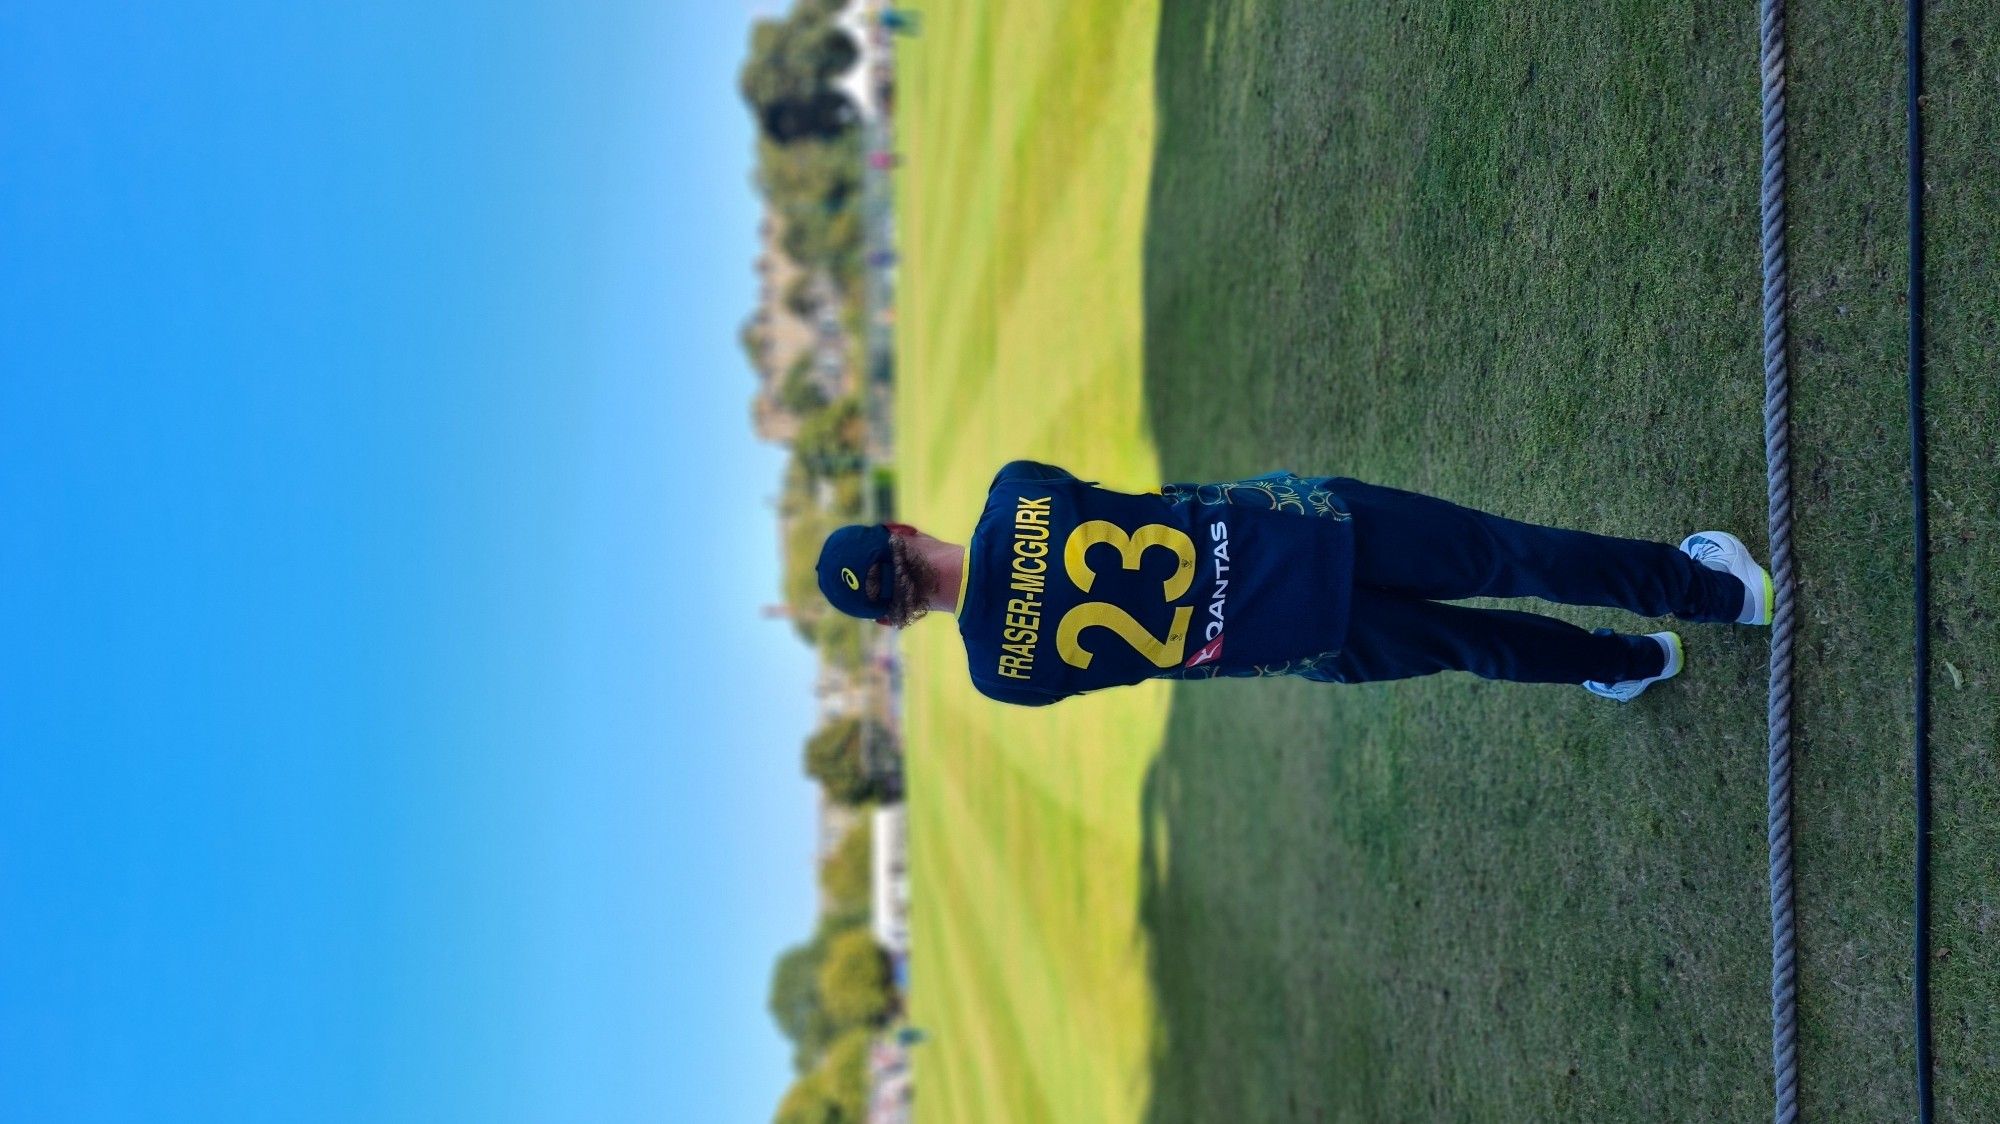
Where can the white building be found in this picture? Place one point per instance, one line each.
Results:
(864, 82)
(890, 884)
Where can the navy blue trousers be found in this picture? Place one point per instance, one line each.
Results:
(1413, 552)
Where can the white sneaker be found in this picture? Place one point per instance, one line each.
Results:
(1720, 550)
(1628, 689)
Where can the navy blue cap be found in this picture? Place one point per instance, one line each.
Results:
(844, 563)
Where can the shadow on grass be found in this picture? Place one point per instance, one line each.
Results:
(1257, 1019)
(1258, 1015)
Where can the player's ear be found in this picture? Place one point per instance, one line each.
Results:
(901, 529)
(884, 622)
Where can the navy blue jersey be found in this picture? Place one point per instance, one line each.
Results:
(1070, 587)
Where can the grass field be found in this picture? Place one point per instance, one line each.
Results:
(1505, 253)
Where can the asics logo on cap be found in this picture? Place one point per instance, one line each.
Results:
(847, 576)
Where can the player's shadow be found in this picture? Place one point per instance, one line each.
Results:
(1250, 937)
(1257, 1017)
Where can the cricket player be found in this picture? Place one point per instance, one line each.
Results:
(1066, 587)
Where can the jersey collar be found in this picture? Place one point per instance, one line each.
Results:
(964, 576)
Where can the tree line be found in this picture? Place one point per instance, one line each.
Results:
(829, 994)
(832, 991)
(808, 149)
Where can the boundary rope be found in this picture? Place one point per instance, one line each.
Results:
(1778, 468)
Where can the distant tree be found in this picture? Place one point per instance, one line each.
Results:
(801, 298)
(830, 441)
(807, 178)
(827, 235)
(809, 1101)
(809, 155)
(838, 753)
(799, 392)
(847, 875)
(847, 495)
(882, 481)
(836, 1090)
(795, 492)
(843, 641)
(834, 759)
(814, 185)
(843, 1074)
(750, 337)
(794, 1002)
(788, 77)
(808, 609)
(854, 980)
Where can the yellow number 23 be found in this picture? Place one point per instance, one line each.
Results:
(1103, 614)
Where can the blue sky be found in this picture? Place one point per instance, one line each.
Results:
(389, 730)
